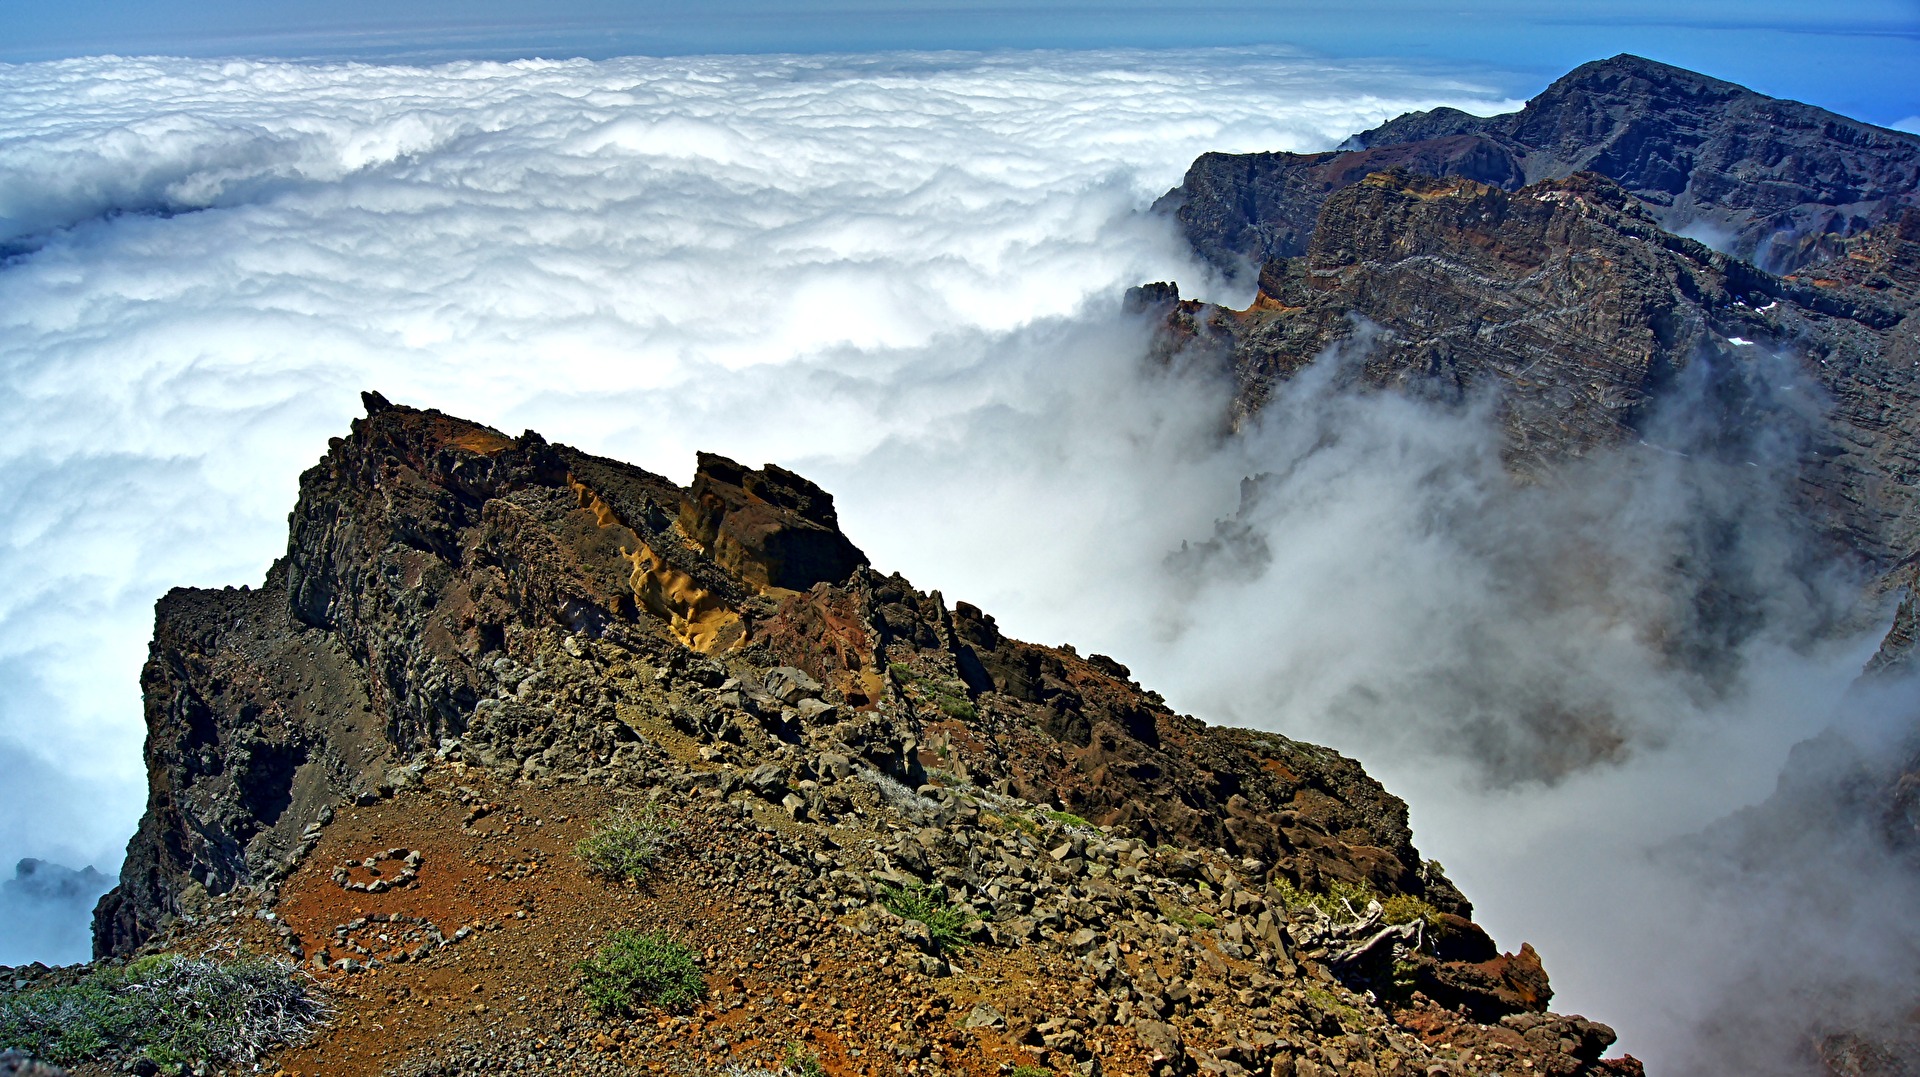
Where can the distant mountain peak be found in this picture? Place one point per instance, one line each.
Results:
(1774, 182)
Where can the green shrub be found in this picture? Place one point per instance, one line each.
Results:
(1327, 1002)
(955, 707)
(803, 1063)
(946, 695)
(1402, 980)
(1068, 819)
(1027, 1069)
(944, 922)
(175, 1012)
(1342, 901)
(635, 970)
(1405, 909)
(1345, 900)
(1020, 821)
(1191, 919)
(624, 845)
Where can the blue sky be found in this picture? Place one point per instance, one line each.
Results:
(1854, 56)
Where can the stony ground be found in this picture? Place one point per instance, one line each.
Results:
(1125, 960)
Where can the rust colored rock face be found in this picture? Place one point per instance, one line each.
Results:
(770, 528)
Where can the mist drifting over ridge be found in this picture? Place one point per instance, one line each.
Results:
(901, 276)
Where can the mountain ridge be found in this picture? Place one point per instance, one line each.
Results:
(468, 626)
(1548, 265)
(1775, 182)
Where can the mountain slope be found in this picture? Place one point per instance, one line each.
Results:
(1773, 182)
(1532, 264)
(1568, 302)
(478, 645)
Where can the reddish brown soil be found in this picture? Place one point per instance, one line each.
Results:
(775, 980)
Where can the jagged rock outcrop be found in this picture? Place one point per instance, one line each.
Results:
(473, 634)
(1569, 301)
(771, 528)
(256, 724)
(1773, 182)
(424, 545)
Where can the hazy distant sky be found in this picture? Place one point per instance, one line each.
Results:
(1855, 56)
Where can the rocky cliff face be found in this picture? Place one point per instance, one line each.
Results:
(1535, 260)
(1570, 302)
(476, 644)
(1773, 182)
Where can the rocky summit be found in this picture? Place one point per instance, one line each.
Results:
(1549, 277)
(880, 836)
(1774, 182)
(1643, 259)
(1567, 303)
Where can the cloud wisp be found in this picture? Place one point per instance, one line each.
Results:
(901, 276)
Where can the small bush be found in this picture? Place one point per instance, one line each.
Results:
(1347, 900)
(1069, 820)
(1019, 821)
(1327, 1002)
(624, 845)
(1027, 1069)
(803, 1063)
(944, 922)
(953, 706)
(1342, 901)
(1402, 980)
(635, 970)
(175, 1012)
(1191, 919)
(942, 694)
(1405, 909)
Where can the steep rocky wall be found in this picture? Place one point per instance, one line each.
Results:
(255, 725)
(1568, 300)
(1774, 182)
(430, 561)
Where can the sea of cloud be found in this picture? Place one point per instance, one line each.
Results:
(900, 275)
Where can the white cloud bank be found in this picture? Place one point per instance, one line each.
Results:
(900, 275)
(610, 251)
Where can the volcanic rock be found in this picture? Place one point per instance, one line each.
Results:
(1567, 301)
(477, 646)
(1773, 182)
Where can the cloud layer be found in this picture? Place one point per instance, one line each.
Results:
(758, 255)
(899, 275)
